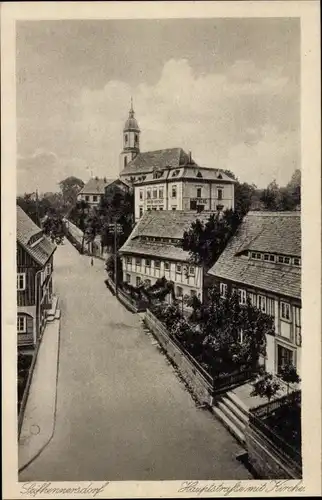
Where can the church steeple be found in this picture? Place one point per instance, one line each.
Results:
(131, 139)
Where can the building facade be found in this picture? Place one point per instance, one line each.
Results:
(263, 262)
(185, 187)
(34, 280)
(153, 251)
(96, 188)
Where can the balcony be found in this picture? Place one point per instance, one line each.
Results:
(25, 339)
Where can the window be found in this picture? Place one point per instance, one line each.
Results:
(253, 299)
(240, 336)
(125, 161)
(284, 358)
(128, 278)
(140, 211)
(138, 281)
(266, 256)
(21, 324)
(147, 263)
(198, 192)
(272, 258)
(149, 209)
(95, 197)
(174, 208)
(193, 205)
(126, 138)
(136, 138)
(129, 260)
(262, 303)
(219, 194)
(138, 261)
(270, 307)
(296, 261)
(223, 289)
(179, 291)
(161, 193)
(178, 268)
(86, 198)
(192, 270)
(286, 260)
(256, 255)
(141, 194)
(155, 193)
(148, 194)
(21, 281)
(298, 336)
(242, 296)
(157, 264)
(167, 266)
(174, 191)
(285, 311)
(199, 174)
(161, 208)
(175, 173)
(193, 293)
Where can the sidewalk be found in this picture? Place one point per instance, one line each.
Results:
(39, 417)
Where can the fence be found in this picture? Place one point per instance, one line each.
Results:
(227, 381)
(130, 303)
(257, 423)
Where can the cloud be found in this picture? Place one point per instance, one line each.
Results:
(43, 170)
(245, 119)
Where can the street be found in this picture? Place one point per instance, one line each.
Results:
(122, 412)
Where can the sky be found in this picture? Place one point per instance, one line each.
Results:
(228, 90)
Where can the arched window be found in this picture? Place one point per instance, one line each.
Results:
(125, 161)
(136, 137)
(126, 138)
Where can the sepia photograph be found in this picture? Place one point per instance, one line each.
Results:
(159, 237)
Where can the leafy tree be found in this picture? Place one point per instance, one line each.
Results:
(206, 241)
(270, 196)
(110, 268)
(265, 386)
(290, 375)
(70, 187)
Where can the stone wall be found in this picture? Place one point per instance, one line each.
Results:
(199, 382)
(266, 459)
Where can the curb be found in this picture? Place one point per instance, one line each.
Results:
(23, 467)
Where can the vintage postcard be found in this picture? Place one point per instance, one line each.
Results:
(161, 221)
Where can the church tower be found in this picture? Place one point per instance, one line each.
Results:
(131, 140)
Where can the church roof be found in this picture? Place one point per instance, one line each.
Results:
(146, 162)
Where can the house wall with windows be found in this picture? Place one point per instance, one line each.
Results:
(210, 195)
(262, 261)
(187, 278)
(286, 312)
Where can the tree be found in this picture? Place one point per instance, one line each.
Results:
(70, 187)
(206, 241)
(244, 196)
(265, 386)
(290, 375)
(270, 196)
(110, 268)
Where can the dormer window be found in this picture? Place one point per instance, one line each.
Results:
(296, 261)
(175, 173)
(219, 176)
(199, 174)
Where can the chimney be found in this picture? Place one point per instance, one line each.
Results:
(190, 158)
(105, 180)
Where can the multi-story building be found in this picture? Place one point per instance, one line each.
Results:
(153, 251)
(169, 179)
(263, 262)
(96, 188)
(34, 280)
(185, 187)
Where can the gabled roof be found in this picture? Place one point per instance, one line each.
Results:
(96, 186)
(271, 232)
(32, 239)
(161, 224)
(162, 158)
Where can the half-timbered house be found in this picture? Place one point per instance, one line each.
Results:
(34, 280)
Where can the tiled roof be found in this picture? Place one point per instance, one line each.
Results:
(162, 250)
(213, 174)
(146, 162)
(272, 232)
(39, 250)
(162, 224)
(96, 186)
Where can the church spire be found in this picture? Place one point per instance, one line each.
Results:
(131, 113)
